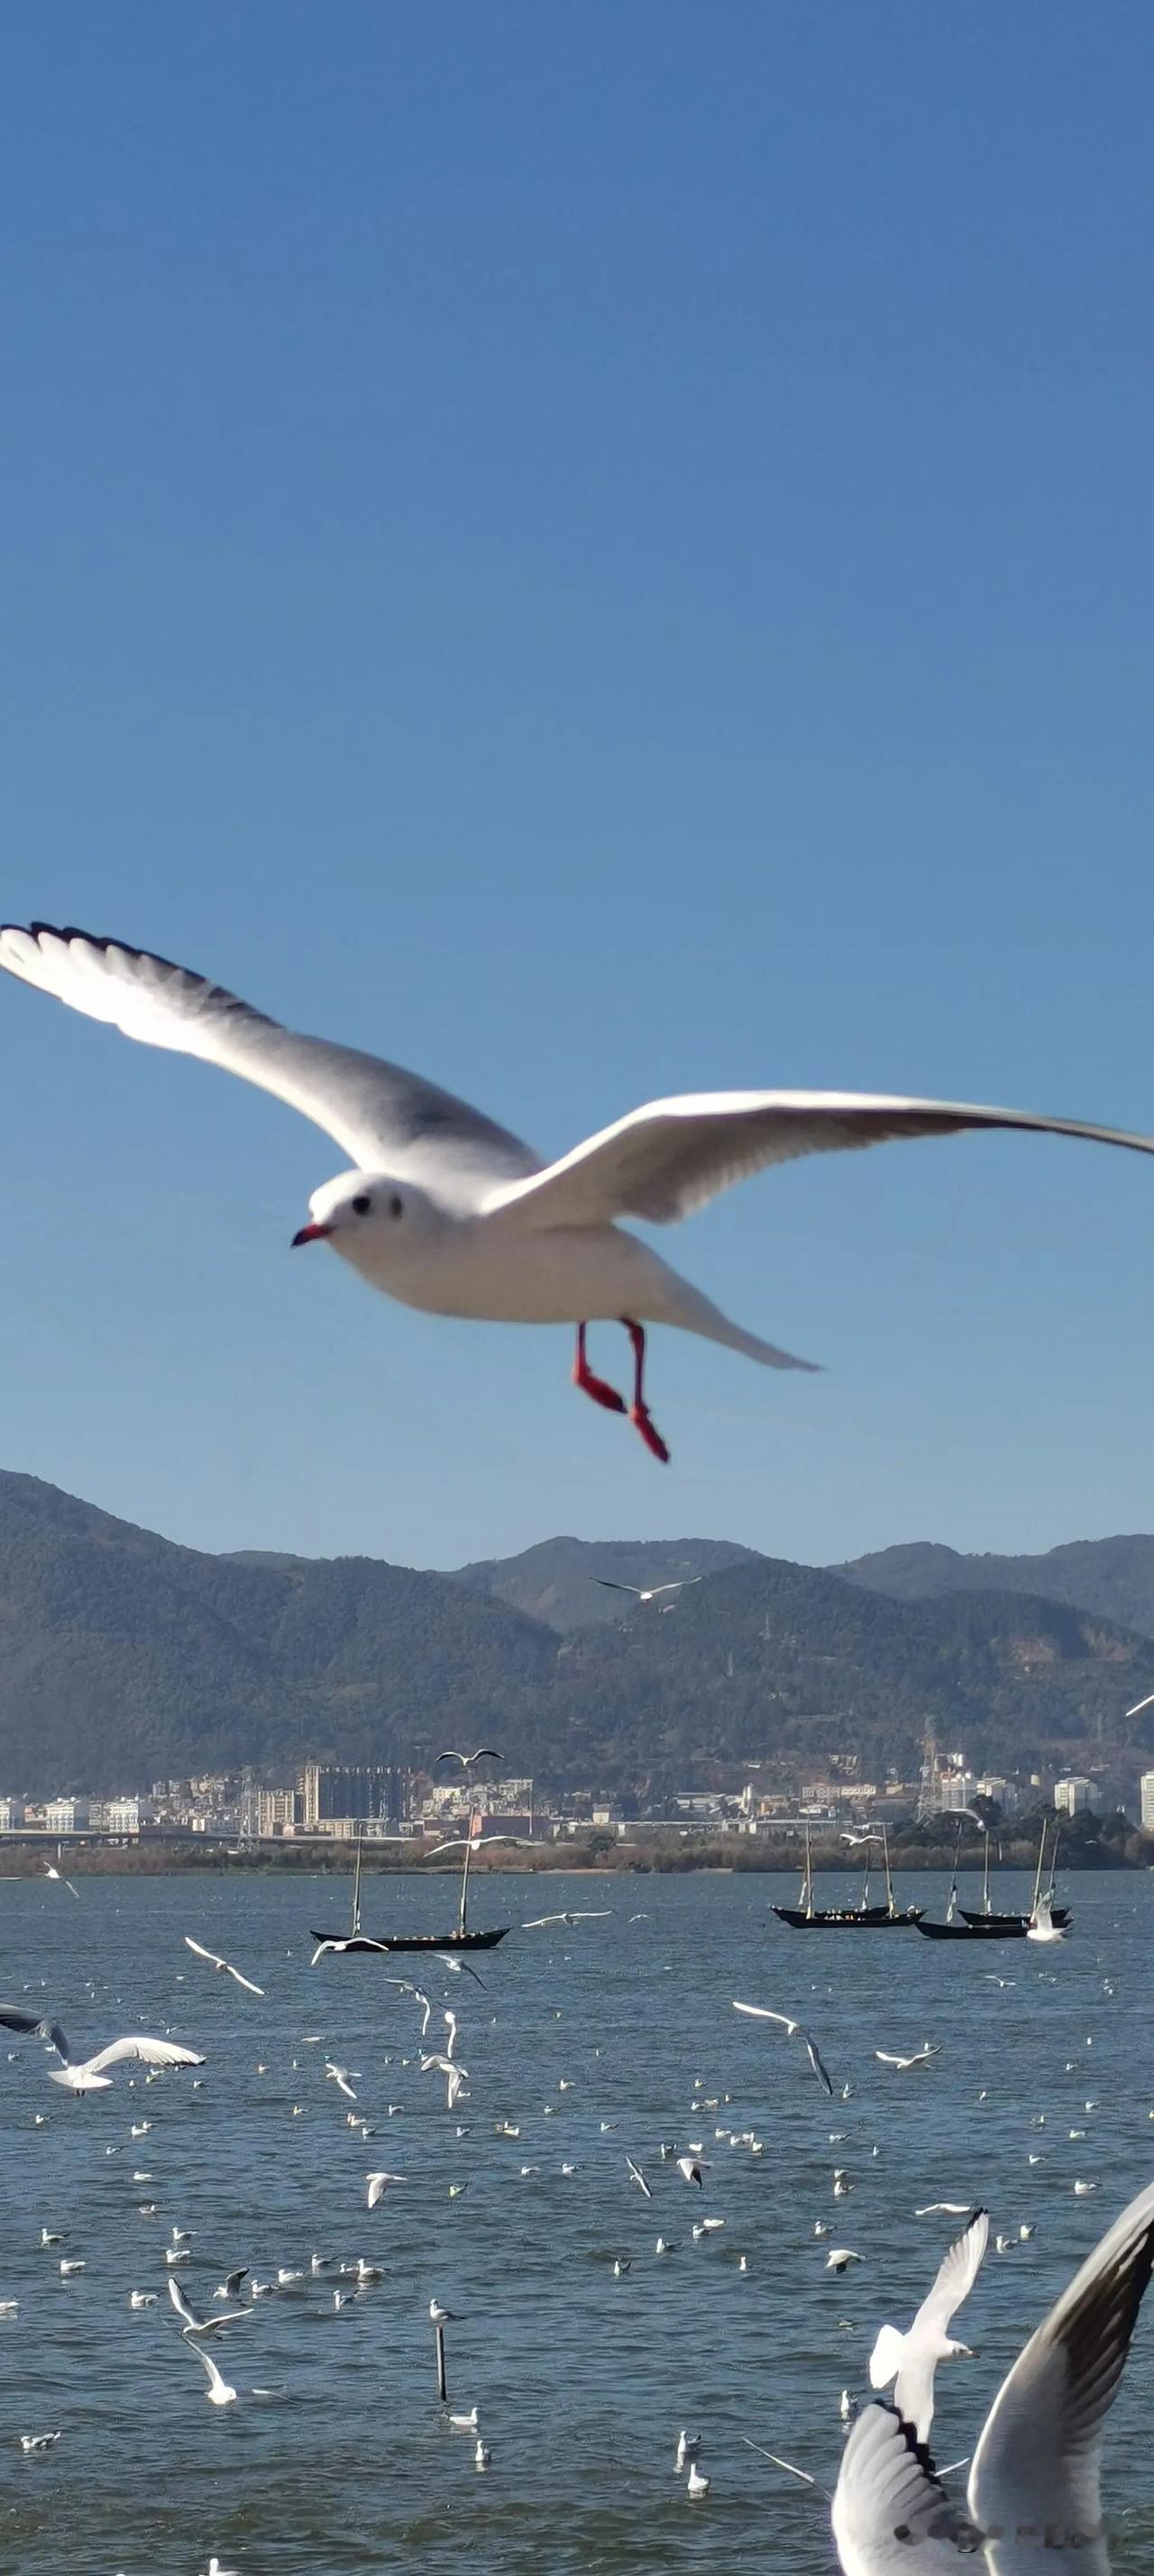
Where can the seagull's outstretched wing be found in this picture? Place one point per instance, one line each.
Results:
(151, 2052)
(957, 2273)
(668, 1158)
(608, 1585)
(889, 2512)
(1036, 2465)
(13, 2017)
(380, 1115)
(201, 1952)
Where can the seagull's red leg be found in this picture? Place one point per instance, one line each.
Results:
(639, 1410)
(589, 1384)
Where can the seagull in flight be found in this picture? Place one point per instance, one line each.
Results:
(91, 2077)
(1042, 1926)
(378, 2185)
(446, 1211)
(600, 1914)
(339, 2075)
(13, 2017)
(484, 1752)
(793, 2030)
(1033, 2498)
(636, 2175)
(921, 2056)
(50, 1872)
(218, 2391)
(192, 2324)
(224, 1965)
(911, 2359)
(654, 1591)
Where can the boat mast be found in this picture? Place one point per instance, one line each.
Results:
(986, 1876)
(889, 1882)
(952, 1907)
(1052, 1887)
(1038, 1872)
(865, 1885)
(807, 1889)
(474, 1819)
(357, 1883)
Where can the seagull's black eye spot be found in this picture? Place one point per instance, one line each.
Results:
(362, 1203)
(396, 1205)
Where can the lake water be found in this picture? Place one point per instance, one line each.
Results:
(583, 2380)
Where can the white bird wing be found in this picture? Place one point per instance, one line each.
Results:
(246, 1982)
(761, 2012)
(887, 2356)
(671, 1156)
(380, 1115)
(215, 2377)
(955, 2278)
(151, 2052)
(180, 2303)
(889, 2512)
(1037, 2460)
(201, 1952)
(956, 2275)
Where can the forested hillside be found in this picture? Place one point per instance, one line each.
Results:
(123, 1657)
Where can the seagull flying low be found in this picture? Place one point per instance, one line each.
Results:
(793, 2030)
(921, 2056)
(50, 1872)
(225, 1965)
(600, 1914)
(1042, 1926)
(636, 2175)
(13, 2017)
(911, 2359)
(640, 1593)
(91, 2077)
(1033, 2496)
(378, 2185)
(193, 2325)
(448, 1212)
(339, 2075)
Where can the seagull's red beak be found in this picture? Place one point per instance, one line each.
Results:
(311, 1234)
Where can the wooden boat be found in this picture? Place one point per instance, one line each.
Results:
(1010, 1923)
(806, 1917)
(460, 1938)
(994, 1930)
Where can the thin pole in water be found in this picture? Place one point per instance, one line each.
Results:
(442, 2388)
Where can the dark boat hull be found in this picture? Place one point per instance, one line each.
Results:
(1059, 1914)
(984, 1931)
(870, 1918)
(426, 1941)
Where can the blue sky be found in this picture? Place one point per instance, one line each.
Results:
(598, 550)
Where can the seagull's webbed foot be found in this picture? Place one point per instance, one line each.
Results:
(589, 1383)
(639, 1414)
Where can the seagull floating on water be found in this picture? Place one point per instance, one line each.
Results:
(450, 1213)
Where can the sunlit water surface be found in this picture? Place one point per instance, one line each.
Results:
(583, 2380)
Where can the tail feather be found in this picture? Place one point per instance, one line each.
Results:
(694, 1313)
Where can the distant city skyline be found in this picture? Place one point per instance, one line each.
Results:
(596, 552)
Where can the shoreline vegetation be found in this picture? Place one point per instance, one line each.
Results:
(1095, 1843)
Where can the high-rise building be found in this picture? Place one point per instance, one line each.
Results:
(331, 1794)
(1078, 1797)
(1146, 1786)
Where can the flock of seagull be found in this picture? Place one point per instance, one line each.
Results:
(1031, 2506)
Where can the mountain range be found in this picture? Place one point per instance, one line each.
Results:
(124, 1657)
